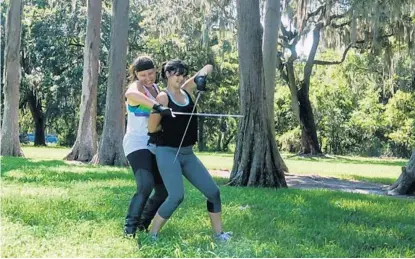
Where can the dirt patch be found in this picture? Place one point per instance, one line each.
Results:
(320, 182)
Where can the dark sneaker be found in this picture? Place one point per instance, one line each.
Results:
(129, 234)
(142, 228)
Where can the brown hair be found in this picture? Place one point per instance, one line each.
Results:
(139, 64)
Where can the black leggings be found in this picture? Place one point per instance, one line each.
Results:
(147, 178)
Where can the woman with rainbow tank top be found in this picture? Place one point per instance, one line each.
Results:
(141, 101)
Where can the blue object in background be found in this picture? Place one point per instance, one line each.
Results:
(31, 137)
(51, 138)
(23, 138)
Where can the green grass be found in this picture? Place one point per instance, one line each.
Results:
(48, 153)
(53, 209)
(355, 168)
(344, 167)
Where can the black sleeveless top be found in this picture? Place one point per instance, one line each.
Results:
(173, 128)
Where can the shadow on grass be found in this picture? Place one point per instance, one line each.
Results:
(357, 223)
(55, 171)
(99, 204)
(221, 180)
(377, 162)
(51, 176)
(381, 180)
(12, 163)
(33, 171)
(46, 212)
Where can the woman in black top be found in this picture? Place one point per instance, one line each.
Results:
(178, 97)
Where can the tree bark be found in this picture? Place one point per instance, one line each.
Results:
(292, 84)
(300, 100)
(309, 140)
(301, 106)
(200, 137)
(227, 141)
(86, 140)
(10, 143)
(269, 49)
(35, 107)
(221, 138)
(110, 150)
(257, 161)
(406, 181)
(219, 143)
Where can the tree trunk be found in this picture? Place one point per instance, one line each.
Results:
(110, 150)
(301, 106)
(226, 141)
(200, 137)
(295, 106)
(35, 107)
(406, 181)
(300, 101)
(10, 143)
(222, 130)
(309, 140)
(257, 161)
(269, 49)
(219, 143)
(86, 140)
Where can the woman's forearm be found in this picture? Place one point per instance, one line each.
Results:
(190, 85)
(154, 123)
(138, 98)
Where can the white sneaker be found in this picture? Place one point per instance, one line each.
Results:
(153, 237)
(223, 236)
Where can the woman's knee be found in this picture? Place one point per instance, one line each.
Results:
(176, 200)
(160, 192)
(170, 205)
(145, 190)
(214, 204)
(213, 194)
(144, 181)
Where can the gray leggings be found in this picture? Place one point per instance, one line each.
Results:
(189, 165)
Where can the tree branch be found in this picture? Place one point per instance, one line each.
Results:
(334, 25)
(310, 60)
(284, 31)
(76, 45)
(316, 12)
(280, 67)
(222, 7)
(323, 62)
(338, 16)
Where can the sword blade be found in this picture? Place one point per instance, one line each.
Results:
(188, 123)
(209, 114)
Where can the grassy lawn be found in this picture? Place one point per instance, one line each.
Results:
(53, 209)
(356, 168)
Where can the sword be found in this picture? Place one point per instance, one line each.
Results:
(209, 114)
(188, 123)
